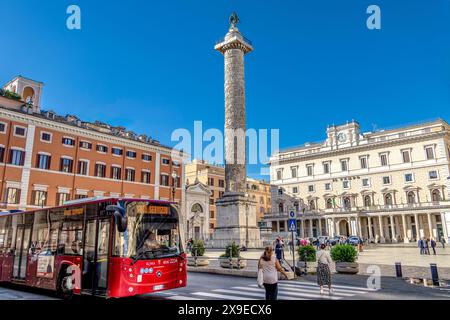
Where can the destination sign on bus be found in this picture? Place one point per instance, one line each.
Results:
(73, 212)
(144, 209)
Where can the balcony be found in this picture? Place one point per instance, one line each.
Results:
(244, 38)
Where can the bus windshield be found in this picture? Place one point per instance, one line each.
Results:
(152, 233)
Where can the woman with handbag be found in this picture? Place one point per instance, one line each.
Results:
(268, 266)
(323, 269)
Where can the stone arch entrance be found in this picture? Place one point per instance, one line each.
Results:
(197, 221)
(344, 228)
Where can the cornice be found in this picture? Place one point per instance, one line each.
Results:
(85, 133)
(361, 148)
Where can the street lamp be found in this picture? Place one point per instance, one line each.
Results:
(174, 177)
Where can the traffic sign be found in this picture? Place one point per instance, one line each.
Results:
(292, 223)
(292, 215)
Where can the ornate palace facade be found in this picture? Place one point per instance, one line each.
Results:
(47, 159)
(386, 186)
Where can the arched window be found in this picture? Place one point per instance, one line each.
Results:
(347, 203)
(312, 205)
(280, 207)
(388, 199)
(411, 197)
(329, 203)
(435, 195)
(367, 201)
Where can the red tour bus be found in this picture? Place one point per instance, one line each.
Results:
(109, 247)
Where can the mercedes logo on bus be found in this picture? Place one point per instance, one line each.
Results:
(158, 274)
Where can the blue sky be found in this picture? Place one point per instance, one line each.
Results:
(151, 66)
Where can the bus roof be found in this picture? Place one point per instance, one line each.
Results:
(73, 203)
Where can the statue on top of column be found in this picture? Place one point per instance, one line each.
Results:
(233, 20)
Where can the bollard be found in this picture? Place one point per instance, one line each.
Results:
(434, 274)
(398, 270)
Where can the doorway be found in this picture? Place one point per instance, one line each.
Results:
(22, 243)
(95, 256)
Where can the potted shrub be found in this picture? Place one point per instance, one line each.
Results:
(307, 252)
(344, 255)
(231, 259)
(197, 259)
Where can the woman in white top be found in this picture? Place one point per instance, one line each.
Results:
(270, 265)
(323, 268)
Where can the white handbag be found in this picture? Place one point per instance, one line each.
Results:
(260, 278)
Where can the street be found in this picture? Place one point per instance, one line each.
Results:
(217, 287)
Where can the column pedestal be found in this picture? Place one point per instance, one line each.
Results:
(236, 222)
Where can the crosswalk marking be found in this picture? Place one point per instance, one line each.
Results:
(178, 297)
(253, 294)
(288, 290)
(221, 296)
(333, 286)
(343, 292)
(308, 294)
(287, 287)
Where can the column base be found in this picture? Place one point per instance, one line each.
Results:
(406, 240)
(382, 240)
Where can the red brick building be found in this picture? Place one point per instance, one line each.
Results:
(46, 159)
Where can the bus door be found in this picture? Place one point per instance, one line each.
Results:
(95, 256)
(22, 243)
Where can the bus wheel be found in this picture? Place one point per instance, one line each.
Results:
(64, 290)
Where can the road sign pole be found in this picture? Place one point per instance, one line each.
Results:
(293, 253)
(293, 229)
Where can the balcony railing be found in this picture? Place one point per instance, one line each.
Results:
(244, 38)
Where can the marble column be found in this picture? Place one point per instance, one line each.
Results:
(430, 226)
(369, 222)
(444, 226)
(394, 235)
(359, 227)
(320, 227)
(380, 221)
(311, 233)
(405, 230)
(416, 224)
(236, 212)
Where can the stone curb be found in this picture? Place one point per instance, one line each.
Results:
(386, 271)
(222, 271)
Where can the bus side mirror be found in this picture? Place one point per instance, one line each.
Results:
(119, 216)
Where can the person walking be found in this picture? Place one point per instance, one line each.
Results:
(278, 249)
(270, 265)
(323, 269)
(433, 245)
(426, 248)
(443, 242)
(420, 245)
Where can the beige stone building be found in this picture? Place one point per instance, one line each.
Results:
(387, 186)
(214, 177)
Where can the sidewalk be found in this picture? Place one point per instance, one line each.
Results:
(384, 256)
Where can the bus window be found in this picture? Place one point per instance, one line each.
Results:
(45, 232)
(71, 236)
(3, 231)
(8, 235)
